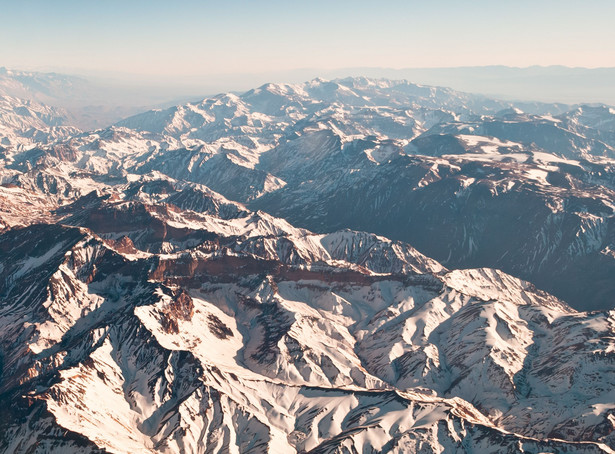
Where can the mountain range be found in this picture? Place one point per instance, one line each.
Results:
(339, 266)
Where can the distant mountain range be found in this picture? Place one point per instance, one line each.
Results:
(535, 83)
(335, 266)
(88, 102)
(99, 100)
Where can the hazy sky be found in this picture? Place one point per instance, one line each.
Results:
(173, 38)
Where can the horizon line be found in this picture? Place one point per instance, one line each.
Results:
(109, 73)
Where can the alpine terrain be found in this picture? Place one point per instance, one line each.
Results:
(348, 266)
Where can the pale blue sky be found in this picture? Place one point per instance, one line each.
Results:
(189, 38)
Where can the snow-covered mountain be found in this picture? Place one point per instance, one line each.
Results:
(135, 326)
(448, 172)
(253, 273)
(91, 102)
(25, 123)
